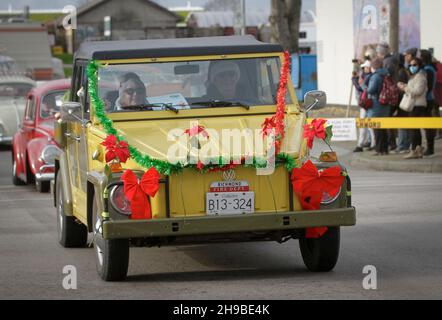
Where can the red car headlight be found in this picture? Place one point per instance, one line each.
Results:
(119, 201)
(328, 199)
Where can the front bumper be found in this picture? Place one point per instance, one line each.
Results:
(5, 140)
(44, 175)
(207, 225)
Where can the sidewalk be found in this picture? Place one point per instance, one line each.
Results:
(391, 162)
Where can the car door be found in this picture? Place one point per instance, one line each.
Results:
(27, 131)
(76, 143)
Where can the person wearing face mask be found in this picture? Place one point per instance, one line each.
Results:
(417, 88)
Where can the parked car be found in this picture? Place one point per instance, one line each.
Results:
(13, 91)
(132, 102)
(34, 147)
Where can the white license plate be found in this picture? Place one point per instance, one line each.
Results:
(230, 203)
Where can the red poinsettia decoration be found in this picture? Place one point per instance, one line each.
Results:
(310, 185)
(138, 191)
(115, 149)
(196, 130)
(276, 122)
(315, 129)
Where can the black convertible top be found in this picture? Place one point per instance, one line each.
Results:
(132, 49)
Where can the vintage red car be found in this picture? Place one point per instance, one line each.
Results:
(34, 149)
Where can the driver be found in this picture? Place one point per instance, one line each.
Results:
(223, 80)
(131, 92)
(48, 107)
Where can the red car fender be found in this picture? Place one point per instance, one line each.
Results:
(19, 153)
(35, 147)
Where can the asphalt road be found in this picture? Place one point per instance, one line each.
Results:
(398, 232)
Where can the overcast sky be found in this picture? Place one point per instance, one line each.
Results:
(263, 5)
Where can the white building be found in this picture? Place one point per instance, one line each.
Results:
(336, 42)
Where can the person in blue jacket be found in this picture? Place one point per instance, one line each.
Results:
(378, 110)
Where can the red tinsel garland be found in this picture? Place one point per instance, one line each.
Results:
(276, 122)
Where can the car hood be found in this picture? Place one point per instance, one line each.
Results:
(153, 137)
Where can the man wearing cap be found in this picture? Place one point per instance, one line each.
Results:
(223, 80)
(366, 136)
(409, 55)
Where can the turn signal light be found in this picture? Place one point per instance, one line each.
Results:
(328, 156)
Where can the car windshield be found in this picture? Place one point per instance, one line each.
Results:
(51, 104)
(190, 85)
(14, 89)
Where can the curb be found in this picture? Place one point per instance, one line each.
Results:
(421, 166)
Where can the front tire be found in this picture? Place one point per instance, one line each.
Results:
(321, 254)
(15, 179)
(112, 255)
(42, 186)
(71, 234)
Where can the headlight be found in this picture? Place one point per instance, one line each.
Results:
(119, 201)
(328, 199)
(49, 153)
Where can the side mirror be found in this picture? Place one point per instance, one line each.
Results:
(315, 99)
(70, 111)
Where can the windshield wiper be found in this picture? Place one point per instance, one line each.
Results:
(150, 106)
(221, 103)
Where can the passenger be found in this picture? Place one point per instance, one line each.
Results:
(417, 88)
(132, 91)
(109, 100)
(223, 81)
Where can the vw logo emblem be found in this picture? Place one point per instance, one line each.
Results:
(229, 175)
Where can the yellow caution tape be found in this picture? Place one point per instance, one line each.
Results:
(398, 123)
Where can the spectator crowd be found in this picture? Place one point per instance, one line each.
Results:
(398, 85)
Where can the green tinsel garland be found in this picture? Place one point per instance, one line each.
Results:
(144, 160)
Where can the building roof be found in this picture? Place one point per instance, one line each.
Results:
(104, 50)
(26, 43)
(208, 19)
(16, 79)
(96, 3)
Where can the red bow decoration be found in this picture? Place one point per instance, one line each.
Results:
(116, 149)
(195, 130)
(310, 185)
(315, 129)
(137, 192)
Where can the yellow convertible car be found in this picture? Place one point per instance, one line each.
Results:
(202, 140)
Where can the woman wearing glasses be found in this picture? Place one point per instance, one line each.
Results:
(132, 92)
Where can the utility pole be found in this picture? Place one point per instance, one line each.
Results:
(243, 17)
(394, 25)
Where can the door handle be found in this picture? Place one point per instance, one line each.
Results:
(72, 137)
